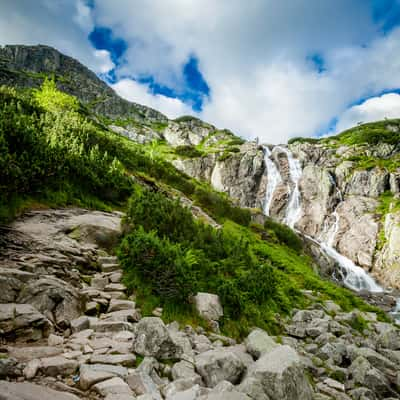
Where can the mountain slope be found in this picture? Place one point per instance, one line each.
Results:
(179, 238)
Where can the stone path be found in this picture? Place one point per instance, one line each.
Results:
(71, 330)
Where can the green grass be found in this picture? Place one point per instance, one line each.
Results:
(371, 133)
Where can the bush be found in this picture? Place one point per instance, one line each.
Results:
(166, 266)
(188, 151)
(284, 234)
(176, 256)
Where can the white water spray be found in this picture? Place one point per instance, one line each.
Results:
(273, 180)
(293, 210)
(354, 277)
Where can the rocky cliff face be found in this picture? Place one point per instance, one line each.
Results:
(338, 192)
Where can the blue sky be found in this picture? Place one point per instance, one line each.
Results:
(266, 68)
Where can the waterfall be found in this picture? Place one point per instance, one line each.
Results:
(293, 210)
(273, 179)
(354, 277)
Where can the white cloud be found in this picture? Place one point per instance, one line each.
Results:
(139, 93)
(374, 109)
(254, 57)
(252, 54)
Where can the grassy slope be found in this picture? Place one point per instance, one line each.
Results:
(53, 153)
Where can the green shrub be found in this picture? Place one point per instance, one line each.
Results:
(303, 140)
(284, 234)
(187, 151)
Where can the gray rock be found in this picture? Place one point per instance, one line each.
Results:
(23, 320)
(9, 367)
(126, 360)
(30, 353)
(55, 340)
(79, 324)
(90, 376)
(119, 305)
(215, 366)
(58, 365)
(122, 315)
(390, 339)
(253, 388)
(154, 339)
(208, 306)
(113, 386)
(366, 375)
(54, 297)
(180, 385)
(32, 368)
(112, 326)
(30, 391)
(281, 375)
(141, 383)
(183, 369)
(258, 342)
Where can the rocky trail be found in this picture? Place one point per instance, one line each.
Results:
(70, 330)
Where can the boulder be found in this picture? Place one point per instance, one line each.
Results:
(141, 383)
(364, 374)
(258, 342)
(80, 324)
(90, 375)
(30, 391)
(23, 320)
(208, 306)
(9, 367)
(153, 339)
(113, 386)
(58, 365)
(390, 339)
(281, 375)
(59, 301)
(219, 365)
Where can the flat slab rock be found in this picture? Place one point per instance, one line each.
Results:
(30, 391)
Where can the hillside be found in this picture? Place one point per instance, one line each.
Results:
(114, 215)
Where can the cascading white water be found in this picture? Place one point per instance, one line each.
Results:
(293, 210)
(274, 179)
(354, 277)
